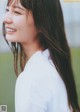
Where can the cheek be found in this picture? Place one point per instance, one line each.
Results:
(22, 27)
(26, 31)
(20, 23)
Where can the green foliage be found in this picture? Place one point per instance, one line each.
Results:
(75, 54)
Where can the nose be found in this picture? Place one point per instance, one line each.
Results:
(7, 18)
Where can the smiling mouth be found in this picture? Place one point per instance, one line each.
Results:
(10, 30)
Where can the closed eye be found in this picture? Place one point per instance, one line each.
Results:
(17, 12)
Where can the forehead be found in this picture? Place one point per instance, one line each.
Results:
(13, 2)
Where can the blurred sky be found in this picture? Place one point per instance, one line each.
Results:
(2, 11)
(71, 11)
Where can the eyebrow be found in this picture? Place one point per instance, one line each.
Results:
(18, 7)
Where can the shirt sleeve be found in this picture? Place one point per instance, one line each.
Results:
(30, 96)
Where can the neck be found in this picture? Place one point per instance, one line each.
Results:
(31, 49)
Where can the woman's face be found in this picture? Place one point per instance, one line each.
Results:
(19, 23)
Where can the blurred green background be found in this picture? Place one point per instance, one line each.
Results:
(8, 78)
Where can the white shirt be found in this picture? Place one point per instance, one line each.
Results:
(39, 88)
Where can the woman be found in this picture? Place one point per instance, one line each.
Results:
(35, 29)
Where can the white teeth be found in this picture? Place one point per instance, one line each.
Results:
(9, 30)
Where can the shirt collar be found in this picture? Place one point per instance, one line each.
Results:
(45, 53)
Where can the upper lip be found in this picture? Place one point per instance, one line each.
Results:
(10, 28)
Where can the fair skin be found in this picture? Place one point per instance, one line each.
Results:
(20, 28)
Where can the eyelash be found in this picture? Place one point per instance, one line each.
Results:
(17, 12)
(7, 10)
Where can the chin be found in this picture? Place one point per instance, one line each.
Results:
(10, 38)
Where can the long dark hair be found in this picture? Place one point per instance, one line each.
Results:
(48, 19)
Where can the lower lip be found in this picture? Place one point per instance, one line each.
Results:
(10, 32)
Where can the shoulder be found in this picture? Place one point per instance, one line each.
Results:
(40, 70)
(41, 81)
(39, 66)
